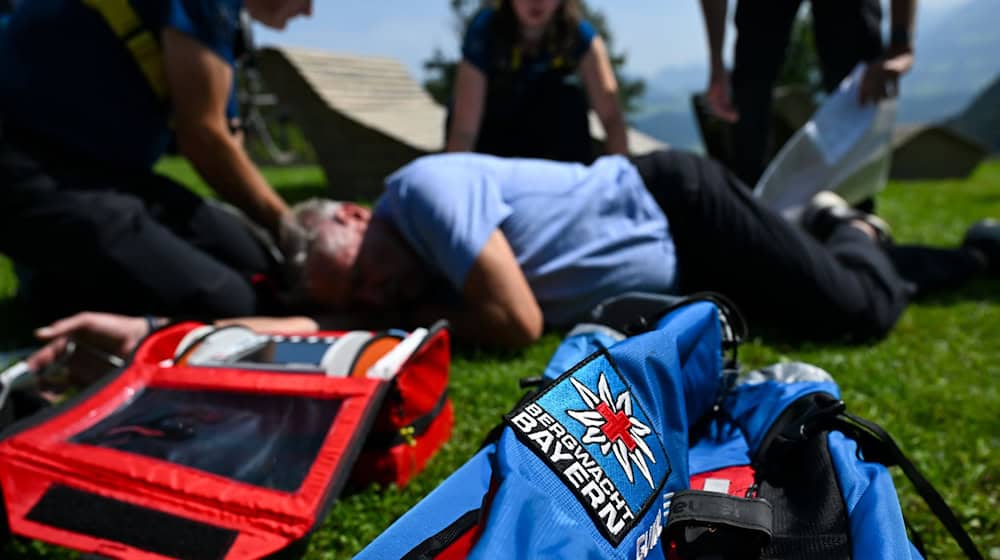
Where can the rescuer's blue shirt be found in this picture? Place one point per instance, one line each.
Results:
(70, 83)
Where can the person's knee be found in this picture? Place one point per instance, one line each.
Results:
(876, 325)
(877, 317)
(669, 172)
(229, 237)
(109, 217)
(156, 265)
(888, 294)
(859, 319)
(229, 295)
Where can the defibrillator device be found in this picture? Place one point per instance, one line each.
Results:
(226, 443)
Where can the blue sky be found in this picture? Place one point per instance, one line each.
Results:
(654, 33)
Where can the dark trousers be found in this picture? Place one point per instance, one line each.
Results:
(777, 274)
(846, 32)
(126, 242)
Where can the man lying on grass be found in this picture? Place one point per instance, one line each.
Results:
(504, 248)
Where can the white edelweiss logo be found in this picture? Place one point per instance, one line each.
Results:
(610, 424)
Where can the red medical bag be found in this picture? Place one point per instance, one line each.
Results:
(167, 459)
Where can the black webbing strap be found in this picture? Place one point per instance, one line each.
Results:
(877, 445)
(915, 538)
(5, 535)
(715, 525)
(440, 541)
(140, 42)
(637, 312)
(408, 434)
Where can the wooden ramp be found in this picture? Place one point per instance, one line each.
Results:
(981, 119)
(933, 151)
(365, 116)
(638, 142)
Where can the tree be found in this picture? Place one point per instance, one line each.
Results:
(629, 90)
(442, 69)
(801, 62)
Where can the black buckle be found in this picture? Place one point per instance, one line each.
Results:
(713, 525)
(806, 417)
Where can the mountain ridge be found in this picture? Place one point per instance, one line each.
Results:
(954, 62)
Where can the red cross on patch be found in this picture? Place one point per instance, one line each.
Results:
(616, 425)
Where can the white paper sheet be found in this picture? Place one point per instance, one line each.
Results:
(845, 147)
(841, 121)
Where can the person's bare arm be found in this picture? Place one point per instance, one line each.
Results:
(467, 111)
(904, 15)
(714, 12)
(286, 325)
(717, 95)
(881, 77)
(115, 334)
(602, 89)
(498, 307)
(199, 82)
(338, 321)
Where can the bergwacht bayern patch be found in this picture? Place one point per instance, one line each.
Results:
(589, 430)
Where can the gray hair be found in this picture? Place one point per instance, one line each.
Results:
(312, 242)
(298, 233)
(309, 213)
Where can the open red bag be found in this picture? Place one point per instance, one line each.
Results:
(163, 458)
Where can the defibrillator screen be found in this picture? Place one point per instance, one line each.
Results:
(288, 353)
(274, 354)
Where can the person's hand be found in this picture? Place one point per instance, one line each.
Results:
(719, 102)
(114, 334)
(881, 77)
(283, 325)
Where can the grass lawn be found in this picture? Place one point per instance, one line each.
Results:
(932, 383)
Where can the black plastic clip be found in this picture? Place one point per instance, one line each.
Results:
(713, 525)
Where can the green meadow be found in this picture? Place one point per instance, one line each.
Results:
(933, 383)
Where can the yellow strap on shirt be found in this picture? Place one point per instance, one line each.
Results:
(515, 58)
(556, 63)
(141, 44)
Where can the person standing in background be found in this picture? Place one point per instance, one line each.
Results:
(847, 32)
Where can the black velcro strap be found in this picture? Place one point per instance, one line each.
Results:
(416, 429)
(5, 534)
(439, 542)
(714, 525)
(716, 508)
(877, 445)
(154, 531)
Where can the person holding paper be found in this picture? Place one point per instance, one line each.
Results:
(847, 32)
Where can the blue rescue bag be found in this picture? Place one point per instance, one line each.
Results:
(653, 446)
